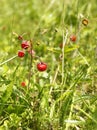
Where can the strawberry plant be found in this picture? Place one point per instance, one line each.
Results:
(48, 65)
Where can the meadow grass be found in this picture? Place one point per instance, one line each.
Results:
(64, 97)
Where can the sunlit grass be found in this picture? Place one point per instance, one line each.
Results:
(64, 96)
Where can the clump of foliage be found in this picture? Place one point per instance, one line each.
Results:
(48, 65)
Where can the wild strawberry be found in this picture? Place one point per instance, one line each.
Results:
(21, 54)
(41, 66)
(73, 38)
(25, 44)
(23, 84)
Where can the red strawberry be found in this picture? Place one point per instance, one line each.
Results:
(23, 84)
(41, 66)
(25, 44)
(21, 54)
(73, 38)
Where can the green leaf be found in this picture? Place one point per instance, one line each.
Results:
(5, 96)
(7, 93)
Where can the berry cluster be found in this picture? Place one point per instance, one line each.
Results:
(25, 45)
(27, 48)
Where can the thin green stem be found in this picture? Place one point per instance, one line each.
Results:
(63, 56)
(8, 60)
(64, 41)
(83, 58)
(30, 67)
(71, 110)
(54, 79)
(88, 115)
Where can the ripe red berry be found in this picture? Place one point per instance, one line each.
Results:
(21, 53)
(25, 44)
(41, 66)
(73, 38)
(23, 84)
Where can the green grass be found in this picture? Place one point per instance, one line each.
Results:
(64, 97)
